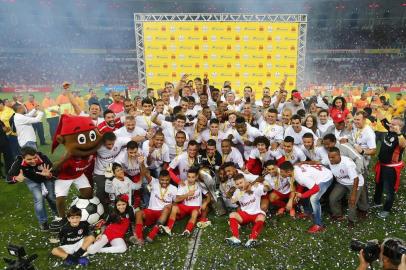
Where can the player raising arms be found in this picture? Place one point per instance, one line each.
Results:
(190, 202)
(249, 198)
(163, 194)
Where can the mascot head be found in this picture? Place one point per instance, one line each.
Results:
(78, 134)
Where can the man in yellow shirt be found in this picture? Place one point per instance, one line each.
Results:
(14, 149)
(399, 104)
(385, 94)
(52, 112)
(384, 112)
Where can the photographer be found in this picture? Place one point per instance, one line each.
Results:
(389, 257)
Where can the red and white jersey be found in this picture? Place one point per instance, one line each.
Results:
(310, 175)
(278, 183)
(273, 132)
(159, 156)
(315, 154)
(124, 132)
(234, 156)
(207, 135)
(346, 171)
(144, 121)
(96, 122)
(183, 163)
(125, 186)
(263, 157)
(106, 156)
(250, 203)
(295, 156)
(104, 127)
(169, 132)
(250, 135)
(161, 197)
(196, 199)
(131, 167)
(74, 167)
(299, 136)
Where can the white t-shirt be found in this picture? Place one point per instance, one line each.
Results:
(174, 102)
(169, 132)
(250, 203)
(272, 132)
(250, 135)
(310, 175)
(95, 122)
(234, 156)
(323, 127)
(176, 151)
(278, 183)
(299, 136)
(206, 135)
(23, 125)
(106, 156)
(364, 137)
(183, 163)
(130, 167)
(296, 155)
(124, 132)
(316, 154)
(124, 187)
(196, 199)
(262, 157)
(161, 197)
(346, 171)
(159, 156)
(144, 122)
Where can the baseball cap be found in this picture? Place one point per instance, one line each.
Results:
(297, 95)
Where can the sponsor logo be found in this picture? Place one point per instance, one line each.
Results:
(163, 28)
(226, 57)
(228, 28)
(237, 37)
(196, 28)
(173, 74)
(197, 65)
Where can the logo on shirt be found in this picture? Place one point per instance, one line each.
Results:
(80, 231)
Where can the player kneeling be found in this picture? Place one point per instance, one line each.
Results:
(249, 198)
(163, 194)
(189, 199)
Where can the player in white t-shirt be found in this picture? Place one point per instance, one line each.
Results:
(130, 130)
(314, 153)
(259, 155)
(106, 154)
(144, 121)
(231, 154)
(156, 153)
(184, 162)
(213, 133)
(133, 163)
(281, 188)
(289, 152)
(163, 195)
(245, 135)
(270, 128)
(190, 203)
(249, 198)
(315, 179)
(180, 145)
(349, 181)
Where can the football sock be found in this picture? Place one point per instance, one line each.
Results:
(153, 232)
(256, 230)
(138, 231)
(234, 227)
(170, 224)
(79, 253)
(279, 203)
(190, 226)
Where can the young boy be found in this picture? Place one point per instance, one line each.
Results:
(75, 238)
(249, 198)
(190, 202)
(163, 194)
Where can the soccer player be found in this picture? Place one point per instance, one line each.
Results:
(110, 123)
(249, 198)
(270, 128)
(296, 130)
(229, 153)
(184, 162)
(245, 135)
(289, 152)
(157, 153)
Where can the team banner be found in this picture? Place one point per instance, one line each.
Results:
(257, 54)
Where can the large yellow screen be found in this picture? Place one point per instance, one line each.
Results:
(257, 54)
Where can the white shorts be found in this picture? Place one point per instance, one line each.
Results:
(62, 186)
(70, 249)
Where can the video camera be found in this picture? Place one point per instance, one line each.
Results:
(23, 261)
(392, 248)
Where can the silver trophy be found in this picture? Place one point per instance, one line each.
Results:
(207, 182)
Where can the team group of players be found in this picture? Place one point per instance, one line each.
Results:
(276, 151)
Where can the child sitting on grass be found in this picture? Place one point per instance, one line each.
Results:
(75, 238)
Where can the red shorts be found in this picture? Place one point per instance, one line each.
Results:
(151, 216)
(185, 210)
(281, 195)
(135, 178)
(247, 218)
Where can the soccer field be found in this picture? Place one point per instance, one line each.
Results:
(284, 244)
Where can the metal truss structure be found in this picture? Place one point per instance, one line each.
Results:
(140, 18)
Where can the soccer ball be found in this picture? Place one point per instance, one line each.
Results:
(91, 209)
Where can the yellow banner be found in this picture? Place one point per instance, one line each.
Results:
(257, 54)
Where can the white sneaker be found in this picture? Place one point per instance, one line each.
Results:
(251, 243)
(234, 241)
(165, 229)
(203, 224)
(383, 214)
(186, 233)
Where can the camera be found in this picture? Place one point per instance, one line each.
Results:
(393, 248)
(371, 249)
(23, 262)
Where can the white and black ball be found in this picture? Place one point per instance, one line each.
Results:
(92, 209)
